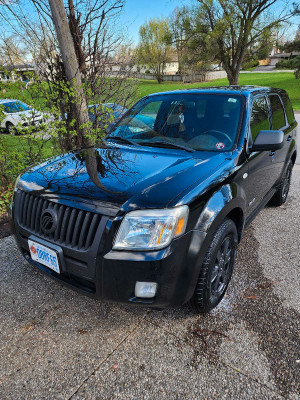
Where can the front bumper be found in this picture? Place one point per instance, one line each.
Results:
(101, 272)
(116, 272)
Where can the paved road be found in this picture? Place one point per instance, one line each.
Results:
(264, 68)
(56, 344)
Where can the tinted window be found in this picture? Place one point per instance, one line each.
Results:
(200, 121)
(259, 116)
(278, 118)
(288, 108)
(11, 107)
(23, 106)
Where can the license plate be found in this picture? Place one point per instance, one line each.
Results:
(44, 255)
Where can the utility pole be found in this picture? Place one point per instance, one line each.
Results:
(66, 44)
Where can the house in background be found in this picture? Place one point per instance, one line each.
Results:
(275, 57)
(13, 73)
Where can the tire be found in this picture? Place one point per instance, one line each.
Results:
(215, 272)
(10, 128)
(281, 195)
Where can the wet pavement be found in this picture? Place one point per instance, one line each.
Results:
(57, 344)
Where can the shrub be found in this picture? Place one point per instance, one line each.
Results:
(293, 63)
(16, 154)
(250, 64)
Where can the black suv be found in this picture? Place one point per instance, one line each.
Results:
(154, 213)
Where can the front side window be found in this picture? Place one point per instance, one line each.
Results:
(259, 117)
(278, 117)
(23, 106)
(206, 122)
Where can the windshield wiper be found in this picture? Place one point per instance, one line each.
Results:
(122, 140)
(167, 145)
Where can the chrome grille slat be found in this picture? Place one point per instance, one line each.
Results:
(59, 222)
(84, 230)
(29, 211)
(71, 226)
(92, 230)
(75, 228)
(64, 225)
(33, 213)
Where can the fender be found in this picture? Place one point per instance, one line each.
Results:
(220, 204)
(229, 198)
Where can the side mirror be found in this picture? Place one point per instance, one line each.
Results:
(268, 140)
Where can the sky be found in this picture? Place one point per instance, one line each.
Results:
(136, 12)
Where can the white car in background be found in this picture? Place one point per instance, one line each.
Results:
(17, 113)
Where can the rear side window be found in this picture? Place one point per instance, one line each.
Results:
(278, 117)
(259, 116)
(288, 108)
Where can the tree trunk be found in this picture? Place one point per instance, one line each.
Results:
(71, 66)
(234, 78)
(232, 74)
(159, 76)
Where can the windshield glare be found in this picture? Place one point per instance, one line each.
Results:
(206, 122)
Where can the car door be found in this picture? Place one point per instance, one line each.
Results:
(260, 176)
(279, 122)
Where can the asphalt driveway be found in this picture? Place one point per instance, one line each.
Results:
(57, 344)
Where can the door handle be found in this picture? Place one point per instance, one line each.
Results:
(272, 153)
(289, 138)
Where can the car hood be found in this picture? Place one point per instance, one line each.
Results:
(28, 114)
(126, 176)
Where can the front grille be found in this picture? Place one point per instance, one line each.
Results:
(75, 228)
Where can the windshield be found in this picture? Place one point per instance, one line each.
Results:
(15, 106)
(198, 121)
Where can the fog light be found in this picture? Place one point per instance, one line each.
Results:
(145, 289)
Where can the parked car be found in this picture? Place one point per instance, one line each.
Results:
(154, 215)
(114, 110)
(17, 113)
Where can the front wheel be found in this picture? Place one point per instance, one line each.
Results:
(281, 195)
(10, 128)
(217, 267)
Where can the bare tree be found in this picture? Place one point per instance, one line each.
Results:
(71, 60)
(179, 26)
(11, 51)
(96, 42)
(235, 25)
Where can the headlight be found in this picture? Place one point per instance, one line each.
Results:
(151, 229)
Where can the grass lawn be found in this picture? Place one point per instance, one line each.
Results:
(20, 144)
(283, 80)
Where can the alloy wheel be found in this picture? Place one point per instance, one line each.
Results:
(222, 269)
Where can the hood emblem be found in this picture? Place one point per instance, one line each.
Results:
(48, 221)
